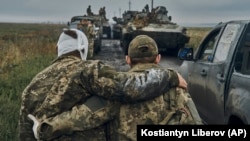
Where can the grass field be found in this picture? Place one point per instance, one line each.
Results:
(26, 49)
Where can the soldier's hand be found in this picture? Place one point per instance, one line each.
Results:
(36, 123)
(182, 82)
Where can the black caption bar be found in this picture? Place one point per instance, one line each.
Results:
(178, 132)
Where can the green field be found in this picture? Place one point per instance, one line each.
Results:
(26, 49)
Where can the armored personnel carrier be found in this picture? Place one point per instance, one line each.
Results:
(120, 22)
(156, 23)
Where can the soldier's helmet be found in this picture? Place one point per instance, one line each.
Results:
(142, 46)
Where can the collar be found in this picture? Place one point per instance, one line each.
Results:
(143, 66)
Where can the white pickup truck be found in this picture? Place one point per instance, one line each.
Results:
(218, 73)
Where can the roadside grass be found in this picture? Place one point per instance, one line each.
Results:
(196, 34)
(25, 50)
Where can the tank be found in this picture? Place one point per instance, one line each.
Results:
(156, 23)
(121, 22)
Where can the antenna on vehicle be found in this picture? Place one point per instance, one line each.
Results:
(129, 5)
(152, 4)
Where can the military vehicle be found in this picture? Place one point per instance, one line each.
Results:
(156, 23)
(120, 22)
(75, 21)
(117, 28)
(106, 30)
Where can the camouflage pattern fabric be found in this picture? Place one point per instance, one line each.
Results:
(90, 33)
(91, 49)
(58, 88)
(142, 46)
(84, 120)
(170, 108)
(47, 89)
(106, 82)
(91, 36)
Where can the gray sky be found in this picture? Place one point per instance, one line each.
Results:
(182, 11)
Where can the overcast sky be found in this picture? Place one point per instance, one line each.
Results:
(182, 11)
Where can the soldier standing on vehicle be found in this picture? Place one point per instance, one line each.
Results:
(146, 8)
(101, 11)
(89, 11)
(104, 12)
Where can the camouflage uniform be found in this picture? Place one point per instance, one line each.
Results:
(52, 80)
(83, 25)
(173, 106)
(88, 29)
(91, 37)
(58, 88)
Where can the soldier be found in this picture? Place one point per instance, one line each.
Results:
(72, 48)
(83, 26)
(104, 13)
(146, 8)
(89, 11)
(58, 88)
(173, 107)
(101, 11)
(91, 37)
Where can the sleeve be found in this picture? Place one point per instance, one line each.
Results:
(127, 87)
(104, 82)
(91, 30)
(93, 113)
(173, 78)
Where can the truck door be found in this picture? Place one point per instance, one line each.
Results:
(237, 93)
(199, 71)
(217, 73)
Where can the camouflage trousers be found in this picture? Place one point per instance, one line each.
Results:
(91, 49)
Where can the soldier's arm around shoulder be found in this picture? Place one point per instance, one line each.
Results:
(128, 87)
(176, 79)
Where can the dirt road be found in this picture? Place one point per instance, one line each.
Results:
(112, 53)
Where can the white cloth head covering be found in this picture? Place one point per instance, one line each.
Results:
(68, 44)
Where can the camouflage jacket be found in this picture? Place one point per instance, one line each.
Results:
(58, 88)
(47, 89)
(90, 32)
(174, 106)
